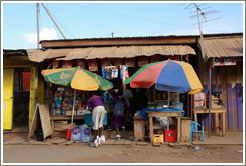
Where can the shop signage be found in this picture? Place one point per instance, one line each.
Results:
(80, 63)
(124, 74)
(67, 64)
(143, 60)
(55, 64)
(224, 61)
(93, 66)
(105, 62)
(118, 61)
(130, 62)
(154, 58)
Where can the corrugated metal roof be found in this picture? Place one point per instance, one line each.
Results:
(111, 52)
(144, 37)
(127, 51)
(18, 52)
(226, 46)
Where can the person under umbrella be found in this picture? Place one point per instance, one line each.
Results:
(95, 104)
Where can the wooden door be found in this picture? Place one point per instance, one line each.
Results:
(8, 81)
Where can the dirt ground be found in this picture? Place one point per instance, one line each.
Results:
(82, 153)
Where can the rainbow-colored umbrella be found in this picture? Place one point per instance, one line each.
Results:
(169, 75)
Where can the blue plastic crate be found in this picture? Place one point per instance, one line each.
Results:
(89, 122)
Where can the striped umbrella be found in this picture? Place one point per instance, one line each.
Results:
(78, 78)
(169, 75)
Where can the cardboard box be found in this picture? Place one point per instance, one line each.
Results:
(200, 96)
(69, 113)
(80, 112)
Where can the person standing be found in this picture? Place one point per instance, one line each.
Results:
(127, 94)
(109, 105)
(95, 104)
(119, 111)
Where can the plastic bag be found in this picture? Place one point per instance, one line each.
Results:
(85, 133)
(76, 134)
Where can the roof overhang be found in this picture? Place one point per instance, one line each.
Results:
(109, 52)
(225, 46)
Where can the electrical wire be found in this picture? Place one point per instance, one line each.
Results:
(57, 15)
(131, 17)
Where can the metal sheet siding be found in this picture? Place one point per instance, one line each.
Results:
(109, 52)
(224, 47)
(126, 52)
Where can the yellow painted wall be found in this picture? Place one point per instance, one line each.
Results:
(8, 81)
(33, 93)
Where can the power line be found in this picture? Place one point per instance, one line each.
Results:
(131, 17)
(68, 31)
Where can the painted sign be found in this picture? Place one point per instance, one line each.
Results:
(80, 63)
(224, 61)
(93, 66)
(118, 61)
(55, 64)
(130, 62)
(105, 62)
(143, 61)
(67, 64)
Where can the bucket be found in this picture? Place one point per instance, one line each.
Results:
(69, 131)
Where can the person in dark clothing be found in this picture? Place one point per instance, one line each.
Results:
(140, 100)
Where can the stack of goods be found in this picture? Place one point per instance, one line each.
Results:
(199, 100)
(57, 103)
(63, 103)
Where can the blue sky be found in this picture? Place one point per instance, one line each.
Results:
(99, 20)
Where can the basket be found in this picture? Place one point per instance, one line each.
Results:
(89, 122)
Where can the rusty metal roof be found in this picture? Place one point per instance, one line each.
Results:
(145, 37)
(110, 52)
(10, 52)
(226, 46)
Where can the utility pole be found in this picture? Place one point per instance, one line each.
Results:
(37, 25)
(54, 21)
(200, 31)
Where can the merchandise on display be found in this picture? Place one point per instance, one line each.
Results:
(62, 103)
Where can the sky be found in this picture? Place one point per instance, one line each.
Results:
(81, 20)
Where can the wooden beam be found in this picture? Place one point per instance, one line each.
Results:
(117, 41)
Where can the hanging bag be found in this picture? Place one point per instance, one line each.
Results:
(119, 109)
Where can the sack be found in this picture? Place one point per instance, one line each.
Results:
(76, 134)
(85, 134)
(119, 109)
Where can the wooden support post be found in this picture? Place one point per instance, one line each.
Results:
(223, 130)
(52, 128)
(178, 129)
(151, 129)
(217, 124)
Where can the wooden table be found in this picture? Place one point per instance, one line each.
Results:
(62, 117)
(151, 114)
(215, 111)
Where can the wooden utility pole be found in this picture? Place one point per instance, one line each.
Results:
(37, 25)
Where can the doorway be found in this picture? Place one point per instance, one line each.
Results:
(21, 95)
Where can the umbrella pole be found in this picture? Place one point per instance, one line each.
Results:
(168, 100)
(73, 104)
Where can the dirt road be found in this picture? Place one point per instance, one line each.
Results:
(82, 153)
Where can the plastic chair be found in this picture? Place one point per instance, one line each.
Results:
(194, 129)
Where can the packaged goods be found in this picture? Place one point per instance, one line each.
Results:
(85, 134)
(76, 134)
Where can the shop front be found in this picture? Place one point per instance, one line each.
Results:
(115, 64)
